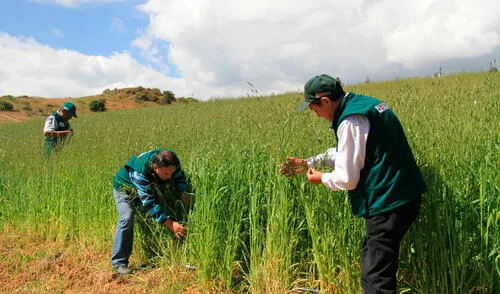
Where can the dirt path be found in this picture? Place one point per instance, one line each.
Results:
(3, 116)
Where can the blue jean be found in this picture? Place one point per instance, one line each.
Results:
(124, 235)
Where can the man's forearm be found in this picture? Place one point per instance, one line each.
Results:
(324, 159)
(55, 134)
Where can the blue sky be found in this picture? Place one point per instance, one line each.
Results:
(211, 49)
(89, 29)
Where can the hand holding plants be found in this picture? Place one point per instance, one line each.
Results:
(293, 166)
(314, 176)
(178, 229)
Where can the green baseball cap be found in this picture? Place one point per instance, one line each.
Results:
(319, 84)
(71, 108)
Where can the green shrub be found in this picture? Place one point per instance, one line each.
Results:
(10, 97)
(6, 106)
(168, 97)
(141, 97)
(98, 105)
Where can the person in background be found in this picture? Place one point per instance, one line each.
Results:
(374, 163)
(57, 127)
(143, 179)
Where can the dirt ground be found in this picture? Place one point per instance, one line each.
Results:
(32, 265)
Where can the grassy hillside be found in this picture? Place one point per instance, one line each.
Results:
(252, 229)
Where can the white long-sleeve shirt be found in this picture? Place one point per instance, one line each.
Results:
(348, 158)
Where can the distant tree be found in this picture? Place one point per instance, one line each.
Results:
(98, 105)
(10, 97)
(168, 97)
(6, 106)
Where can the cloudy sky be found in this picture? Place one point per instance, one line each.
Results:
(213, 48)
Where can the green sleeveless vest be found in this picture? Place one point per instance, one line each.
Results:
(390, 177)
(61, 125)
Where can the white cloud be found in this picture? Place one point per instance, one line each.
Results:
(117, 25)
(435, 30)
(277, 45)
(30, 68)
(218, 46)
(58, 33)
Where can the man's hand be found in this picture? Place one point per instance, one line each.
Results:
(293, 166)
(186, 199)
(65, 133)
(176, 228)
(314, 176)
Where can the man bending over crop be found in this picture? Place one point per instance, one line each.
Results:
(145, 175)
(375, 164)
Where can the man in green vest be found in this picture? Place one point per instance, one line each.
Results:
(374, 163)
(57, 127)
(143, 179)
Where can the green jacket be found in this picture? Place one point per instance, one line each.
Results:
(138, 178)
(390, 177)
(141, 163)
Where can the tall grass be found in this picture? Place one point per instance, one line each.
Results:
(253, 230)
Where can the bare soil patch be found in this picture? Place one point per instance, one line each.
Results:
(33, 265)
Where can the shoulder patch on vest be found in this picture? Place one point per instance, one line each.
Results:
(381, 107)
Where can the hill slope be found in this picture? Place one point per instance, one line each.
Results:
(26, 107)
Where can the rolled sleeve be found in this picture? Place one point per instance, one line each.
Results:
(324, 159)
(147, 196)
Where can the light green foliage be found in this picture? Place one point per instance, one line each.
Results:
(252, 229)
(9, 97)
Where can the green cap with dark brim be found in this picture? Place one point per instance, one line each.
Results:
(71, 108)
(303, 106)
(318, 84)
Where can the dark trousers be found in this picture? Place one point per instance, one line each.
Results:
(380, 252)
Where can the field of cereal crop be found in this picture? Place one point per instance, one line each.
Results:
(251, 229)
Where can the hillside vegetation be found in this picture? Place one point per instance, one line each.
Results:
(21, 108)
(251, 229)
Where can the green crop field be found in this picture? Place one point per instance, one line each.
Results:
(251, 229)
